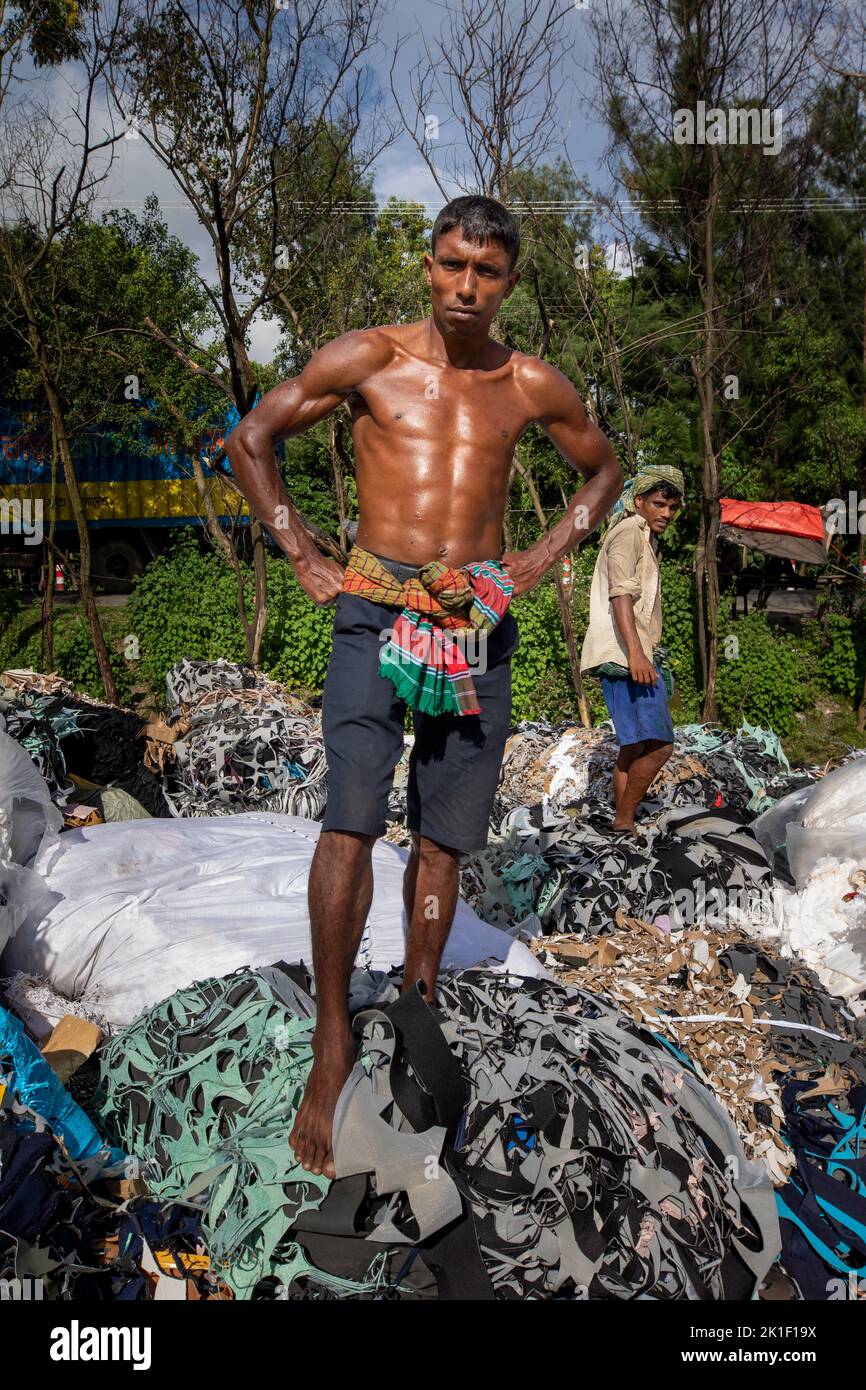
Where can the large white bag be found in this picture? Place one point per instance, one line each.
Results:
(27, 819)
(142, 908)
(827, 820)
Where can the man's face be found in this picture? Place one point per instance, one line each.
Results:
(467, 282)
(658, 510)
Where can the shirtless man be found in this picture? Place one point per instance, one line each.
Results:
(437, 409)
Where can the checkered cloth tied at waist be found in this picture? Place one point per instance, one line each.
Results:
(422, 660)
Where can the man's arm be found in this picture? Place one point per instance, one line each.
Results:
(640, 668)
(288, 410)
(624, 555)
(559, 411)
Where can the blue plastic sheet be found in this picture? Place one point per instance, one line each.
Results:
(42, 1091)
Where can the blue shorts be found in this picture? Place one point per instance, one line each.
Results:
(638, 712)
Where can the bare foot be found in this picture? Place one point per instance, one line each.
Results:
(311, 1136)
(627, 825)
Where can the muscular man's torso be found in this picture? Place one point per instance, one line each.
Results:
(433, 452)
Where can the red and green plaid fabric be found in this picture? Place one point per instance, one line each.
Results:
(421, 659)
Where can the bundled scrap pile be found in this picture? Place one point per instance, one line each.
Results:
(568, 765)
(573, 1156)
(571, 872)
(90, 753)
(234, 740)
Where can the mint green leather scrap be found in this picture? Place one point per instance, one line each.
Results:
(204, 1088)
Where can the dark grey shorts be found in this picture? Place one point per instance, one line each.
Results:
(456, 759)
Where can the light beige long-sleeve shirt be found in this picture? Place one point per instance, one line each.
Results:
(627, 564)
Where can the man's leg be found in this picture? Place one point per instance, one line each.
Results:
(340, 894)
(653, 756)
(627, 754)
(430, 889)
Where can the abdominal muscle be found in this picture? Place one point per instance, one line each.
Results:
(418, 510)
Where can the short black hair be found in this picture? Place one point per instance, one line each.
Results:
(480, 219)
(666, 489)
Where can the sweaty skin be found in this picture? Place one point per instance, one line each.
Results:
(437, 408)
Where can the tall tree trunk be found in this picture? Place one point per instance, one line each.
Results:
(244, 387)
(47, 652)
(861, 552)
(564, 604)
(58, 424)
(707, 574)
(700, 551)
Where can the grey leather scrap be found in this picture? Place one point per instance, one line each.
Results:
(402, 1162)
(250, 745)
(575, 874)
(595, 1164)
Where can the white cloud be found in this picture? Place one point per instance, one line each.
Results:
(264, 338)
(621, 258)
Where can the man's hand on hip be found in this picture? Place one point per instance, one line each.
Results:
(526, 568)
(320, 578)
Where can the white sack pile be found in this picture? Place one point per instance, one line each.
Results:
(823, 918)
(139, 909)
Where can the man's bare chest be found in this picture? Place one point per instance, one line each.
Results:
(477, 408)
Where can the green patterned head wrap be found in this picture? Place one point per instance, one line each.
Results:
(647, 480)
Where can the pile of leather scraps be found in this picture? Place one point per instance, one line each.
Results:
(574, 873)
(822, 1210)
(63, 1231)
(573, 1156)
(558, 766)
(594, 1162)
(40, 724)
(62, 1238)
(111, 754)
(234, 740)
(543, 764)
(203, 1089)
(79, 744)
(743, 1019)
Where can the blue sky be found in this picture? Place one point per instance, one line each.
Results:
(400, 170)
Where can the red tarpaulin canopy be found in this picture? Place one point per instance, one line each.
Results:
(791, 529)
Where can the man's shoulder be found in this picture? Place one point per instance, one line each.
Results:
(547, 388)
(626, 532)
(373, 344)
(345, 363)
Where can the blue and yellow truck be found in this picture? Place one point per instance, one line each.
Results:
(131, 496)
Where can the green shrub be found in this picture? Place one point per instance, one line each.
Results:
(840, 653)
(764, 675)
(74, 654)
(679, 635)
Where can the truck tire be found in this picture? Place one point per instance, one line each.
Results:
(116, 563)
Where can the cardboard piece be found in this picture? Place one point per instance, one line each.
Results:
(70, 1044)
